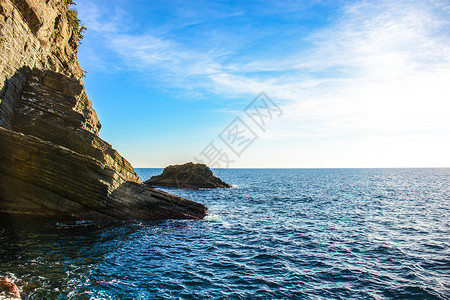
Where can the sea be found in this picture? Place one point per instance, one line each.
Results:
(277, 234)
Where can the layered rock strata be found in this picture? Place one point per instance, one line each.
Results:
(52, 161)
(189, 175)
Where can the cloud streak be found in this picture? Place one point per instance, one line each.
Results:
(378, 68)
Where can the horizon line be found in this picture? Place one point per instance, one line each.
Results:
(313, 168)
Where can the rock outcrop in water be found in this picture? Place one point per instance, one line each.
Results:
(53, 162)
(189, 175)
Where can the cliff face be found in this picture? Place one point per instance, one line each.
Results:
(38, 34)
(53, 163)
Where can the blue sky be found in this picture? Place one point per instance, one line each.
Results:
(359, 83)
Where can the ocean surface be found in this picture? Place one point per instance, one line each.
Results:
(279, 234)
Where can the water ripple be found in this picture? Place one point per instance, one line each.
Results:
(284, 234)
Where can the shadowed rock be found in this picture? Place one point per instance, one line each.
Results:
(145, 202)
(189, 175)
(53, 164)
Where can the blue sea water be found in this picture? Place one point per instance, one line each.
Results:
(279, 234)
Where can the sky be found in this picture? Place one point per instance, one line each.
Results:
(271, 84)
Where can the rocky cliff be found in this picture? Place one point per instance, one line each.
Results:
(53, 162)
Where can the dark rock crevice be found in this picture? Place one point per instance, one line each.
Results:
(29, 15)
(10, 94)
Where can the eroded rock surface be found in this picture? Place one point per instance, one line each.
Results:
(189, 175)
(52, 161)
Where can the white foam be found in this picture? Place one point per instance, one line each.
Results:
(213, 218)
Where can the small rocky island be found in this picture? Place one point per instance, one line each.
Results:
(189, 175)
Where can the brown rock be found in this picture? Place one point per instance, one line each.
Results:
(52, 161)
(55, 165)
(37, 34)
(189, 175)
(8, 288)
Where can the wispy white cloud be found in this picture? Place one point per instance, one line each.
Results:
(108, 17)
(397, 55)
(381, 67)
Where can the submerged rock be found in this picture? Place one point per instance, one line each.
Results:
(189, 175)
(8, 289)
(53, 164)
